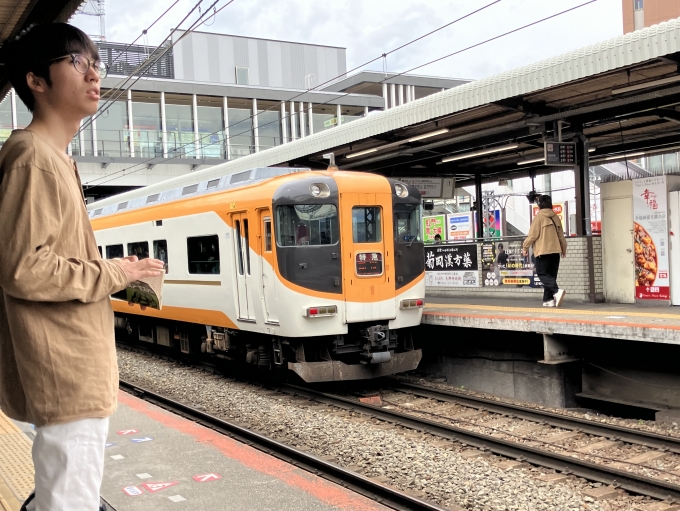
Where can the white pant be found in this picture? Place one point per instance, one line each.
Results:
(69, 464)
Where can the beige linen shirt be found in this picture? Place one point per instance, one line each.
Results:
(546, 234)
(57, 352)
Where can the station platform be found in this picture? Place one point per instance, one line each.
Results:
(604, 320)
(161, 461)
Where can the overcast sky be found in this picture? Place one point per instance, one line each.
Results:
(368, 28)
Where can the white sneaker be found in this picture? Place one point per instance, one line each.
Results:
(550, 303)
(559, 296)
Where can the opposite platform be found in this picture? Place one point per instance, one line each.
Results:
(614, 321)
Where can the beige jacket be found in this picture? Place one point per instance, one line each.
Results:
(57, 351)
(546, 234)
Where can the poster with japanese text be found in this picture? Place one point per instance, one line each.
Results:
(459, 226)
(561, 209)
(433, 225)
(451, 265)
(503, 264)
(650, 238)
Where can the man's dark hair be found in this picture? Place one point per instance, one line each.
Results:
(33, 50)
(544, 202)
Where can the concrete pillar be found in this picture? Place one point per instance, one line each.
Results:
(365, 111)
(81, 139)
(393, 95)
(338, 113)
(401, 94)
(284, 123)
(409, 98)
(480, 208)
(413, 92)
(93, 127)
(582, 186)
(310, 118)
(387, 103)
(303, 133)
(164, 126)
(13, 106)
(293, 121)
(256, 131)
(225, 114)
(197, 140)
(131, 125)
(69, 151)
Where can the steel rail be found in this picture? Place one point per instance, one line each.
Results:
(629, 435)
(358, 483)
(634, 483)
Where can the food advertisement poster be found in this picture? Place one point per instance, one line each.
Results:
(561, 209)
(504, 265)
(452, 265)
(433, 225)
(650, 231)
(459, 226)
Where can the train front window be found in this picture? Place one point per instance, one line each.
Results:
(407, 220)
(307, 225)
(366, 227)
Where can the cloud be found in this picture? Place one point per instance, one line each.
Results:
(368, 28)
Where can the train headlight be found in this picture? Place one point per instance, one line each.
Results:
(317, 312)
(401, 190)
(316, 191)
(413, 303)
(320, 190)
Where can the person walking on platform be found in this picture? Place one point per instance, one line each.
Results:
(58, 366)
(546, 236)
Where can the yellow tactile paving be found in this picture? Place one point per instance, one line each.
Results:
(574, 312)
(16, 466)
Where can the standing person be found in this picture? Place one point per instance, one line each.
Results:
(58, 366)
(546, 236)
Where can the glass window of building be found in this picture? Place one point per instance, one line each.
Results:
(639, 5)
(323, 117)
(211, 127)
(240, 128)
(352, 113)
(112, 130)
(180, 125)
(86, 127)
(5, 119)
(269, 124)
(24, 116)
(146, 123)
(242, 77)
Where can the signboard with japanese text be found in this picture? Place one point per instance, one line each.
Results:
(451, 265)
(561, 209)
(560, 154)
(504, 265)
(429, 187)
(433, 225)
(459, 226)
(650, 237)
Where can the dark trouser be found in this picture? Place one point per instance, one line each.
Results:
(547, 267)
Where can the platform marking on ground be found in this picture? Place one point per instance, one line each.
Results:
(127, 431)
(615, 317)
(204, 478)
(117, 457)
(140, 440)
(132, 491)
(575, 312)
(144, 476)
(154, 487)
(177, 498)
(110, 445)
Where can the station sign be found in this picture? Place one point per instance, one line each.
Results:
(429, 187)
(560, 154)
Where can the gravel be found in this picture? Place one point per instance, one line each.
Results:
(417, 463)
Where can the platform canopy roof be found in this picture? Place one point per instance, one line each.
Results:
(623, 95)
(15, 15)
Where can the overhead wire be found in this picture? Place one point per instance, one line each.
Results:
(340, 96)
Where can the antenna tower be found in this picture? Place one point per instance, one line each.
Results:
(95, 8)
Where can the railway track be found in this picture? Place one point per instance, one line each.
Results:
(384, 494)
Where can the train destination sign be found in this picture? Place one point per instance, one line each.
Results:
(560, 153)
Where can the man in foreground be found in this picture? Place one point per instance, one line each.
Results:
(58, 366)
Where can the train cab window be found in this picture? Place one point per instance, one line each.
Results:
(407, 220)
(139, 249)
(160, 252)
(203, 253)
(366, 225)
(100, 251)
(307, 225)
(267, 235)
(114, 251)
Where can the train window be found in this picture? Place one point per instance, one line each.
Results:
(267, 235)
(139, 249)
(307, 225)
(407, 220)
(203, 253)
(100, 251)
(114, 251)
(160, 251)
(239, 245)
(366, 224)
(247, 247)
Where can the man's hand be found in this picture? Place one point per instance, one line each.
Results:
(135, 269)
(525, 253)
(564, 254)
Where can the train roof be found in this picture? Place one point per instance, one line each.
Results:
(143, 197)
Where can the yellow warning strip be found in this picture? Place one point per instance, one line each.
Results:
(16, 466)
(548, 310)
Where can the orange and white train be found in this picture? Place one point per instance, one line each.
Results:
(319, 272)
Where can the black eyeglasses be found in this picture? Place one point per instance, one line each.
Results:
(83, 64)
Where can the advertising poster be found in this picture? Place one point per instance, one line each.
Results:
(433, 225)
(504, 265)
(451, 265)
(561, 210)
(459, 226)
(493, 223)
(650, 231)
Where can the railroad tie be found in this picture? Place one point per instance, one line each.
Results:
(640, 459)
(599, 446)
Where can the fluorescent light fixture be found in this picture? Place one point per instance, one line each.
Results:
(629, 155)
(492, 150)
(527, 162)
(592, 149)
(646, 85)
(361, 153)
(428, 135)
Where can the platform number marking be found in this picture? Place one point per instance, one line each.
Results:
(110, 445)
(127, 432)
(140, 440)
(154, 487)
(132, 491)
(204, 478)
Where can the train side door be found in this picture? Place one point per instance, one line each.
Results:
(268, 273)
(245, 284)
